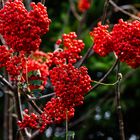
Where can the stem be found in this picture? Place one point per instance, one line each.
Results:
(105, 76)
(10, 120)
(106, 84)
(66, 124)
(42, 97)
(33, 104)
(5, 117)
(118, 104)
(82, 60)
(105, 11)
(43, 2)
(123, 11)
(72, 6)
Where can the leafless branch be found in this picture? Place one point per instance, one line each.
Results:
(123, 11)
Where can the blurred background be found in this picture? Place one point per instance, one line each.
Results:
(97, 118)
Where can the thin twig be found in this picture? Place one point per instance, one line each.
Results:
(33, 104)
(72, 6)
(87, 54)
(66, 124)
(4, 81)
(105, 76)
(41, 97)
(118, 104)
(105, 12)
(34, 134)
(123, 11)
(43, 2)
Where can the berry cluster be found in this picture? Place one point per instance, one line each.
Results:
(71, 49)
(83, 5)
(102, 40)
(70, 83)
(15, 66)
(22, 29)
(124, 40)
(5, 55)
(29, 120)
(55, 112)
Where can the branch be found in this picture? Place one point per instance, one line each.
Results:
(104, 77)
(123, 11)
(14, 90)
(43, 2)
(105, 12)
(118, 104)
(34, 134)
(72, 6)
(87, 54)
(33, 104)
(42, 97)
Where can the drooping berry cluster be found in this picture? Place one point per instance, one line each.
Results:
(71, 49)
(22, 29)
(29, 120)
(70, 83)
(83, 5)
(15, 66)
(5, 55)
(124, 40)
(102, 40)
(55, 112)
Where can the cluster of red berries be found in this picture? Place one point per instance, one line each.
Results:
(22, 29)
(29, 120)
(124, 40)
(70, 83)
(70, 52)
(55, 111)
(102, 40)
(83, 5)
(15, 66)
(5, 55)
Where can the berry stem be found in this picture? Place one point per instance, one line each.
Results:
(118, 104)
(105, 12)
(66, 124)
(105, 76)
(106, 84)
(42, 97)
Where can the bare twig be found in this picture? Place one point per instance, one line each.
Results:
(34, 134)
(123, 11)
(43, 2)
(105, 12)
(87, 54)
(41, 97)
(72, 6)
(118, 104)
(105, 76)
(4, 81)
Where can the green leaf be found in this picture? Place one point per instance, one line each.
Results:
(34, 73)
(36, 82)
